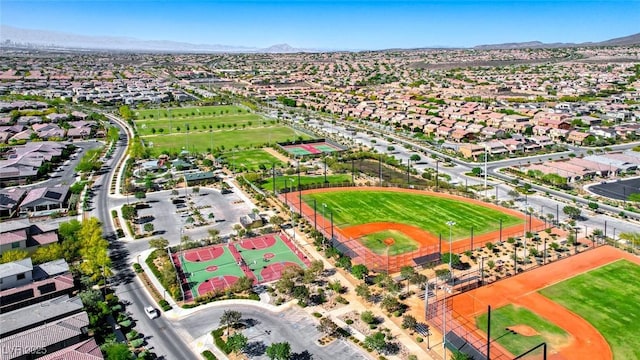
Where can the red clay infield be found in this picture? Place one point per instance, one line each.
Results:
(419, 235)
(262, 242)
(521, 290)
(219, 283)
(205, 254)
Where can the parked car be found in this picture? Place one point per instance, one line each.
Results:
(151, 312)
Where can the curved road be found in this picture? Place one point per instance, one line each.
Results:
(160, 333)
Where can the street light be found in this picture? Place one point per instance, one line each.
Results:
(444, 304)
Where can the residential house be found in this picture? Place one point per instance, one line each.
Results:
(14, 274)
(45, 199)
(577, 137)
(50, 280)
(9, 200)
(21, 234)
(603, 132)
(472, 151)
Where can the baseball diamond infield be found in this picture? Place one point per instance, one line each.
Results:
(420, 216)
(526, 291)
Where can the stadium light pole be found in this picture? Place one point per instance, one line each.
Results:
(444, 304)
(324, 225)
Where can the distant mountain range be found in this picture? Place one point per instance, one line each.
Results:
(45, 39)
(13, 36)
(621, 41)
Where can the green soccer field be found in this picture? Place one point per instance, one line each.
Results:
(401, 245)
(609, 299)
(201, 141)
(250, 160)
(516, 344)
(431, 213)
(283, 182)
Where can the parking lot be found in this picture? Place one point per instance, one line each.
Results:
(170, 214)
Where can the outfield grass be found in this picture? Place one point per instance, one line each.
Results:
(200, 141)
(250, 160)
(430, 213)
(402, 243)
(281, 181)
(608, 298)
(517, 344)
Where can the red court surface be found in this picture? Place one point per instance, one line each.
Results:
(262, 242)
(274, 271)
(204, 254)
(217, 283)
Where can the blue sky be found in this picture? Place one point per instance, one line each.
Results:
(338, 24)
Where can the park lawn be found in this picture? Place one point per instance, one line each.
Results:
(431, 213)
(517, 344)
(227, 139)
(181, 112)
(250, 160)
(200, 124)
(608, 298)
(402, 243)
(281, 181)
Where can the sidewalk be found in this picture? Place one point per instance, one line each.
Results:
(357, 304)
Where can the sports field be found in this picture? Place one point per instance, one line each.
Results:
(530, 329)
(591, 296)
(400, 245)
(283, 182)
(609, 299)
(196, 119)
(311, 149)
(218, 267)
(427, 212)
(197, 129)
(223, 139)
(250, 159)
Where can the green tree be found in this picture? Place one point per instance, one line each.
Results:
(230, 318)
(476, 171)
(47, 253)
(409, 322)
(94, 250)
(367, 317)
(455, 258)
(236, 343)
(359, 271)
(572, 212)
(117, 351)
(327, 326)
(593, 206)
(148, 227)
(125, 112)
(458, 355)
(390, 303)
(414, 157)
(279, 351)
(363, 291)
(376, 341)
(13, 255)
(158, 243)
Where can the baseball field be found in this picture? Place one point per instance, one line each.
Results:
(582, 307)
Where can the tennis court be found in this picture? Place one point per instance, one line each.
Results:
(218, 267)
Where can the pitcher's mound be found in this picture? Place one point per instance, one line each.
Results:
(524, 330)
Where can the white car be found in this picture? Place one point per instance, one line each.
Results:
(151, 312)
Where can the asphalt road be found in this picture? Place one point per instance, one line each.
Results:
(264, 328)
(159, 333)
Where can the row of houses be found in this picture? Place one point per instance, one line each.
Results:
(40, 317)
(22, 163)
(17, 201)
(588, 167)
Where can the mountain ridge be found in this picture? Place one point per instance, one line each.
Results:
(34, 38)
